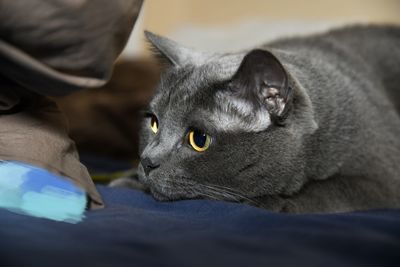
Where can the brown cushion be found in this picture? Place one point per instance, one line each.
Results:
(59, 46)
(37, 134)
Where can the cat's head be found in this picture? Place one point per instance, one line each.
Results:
(220, 126)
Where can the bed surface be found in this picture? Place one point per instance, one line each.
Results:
(136, 230)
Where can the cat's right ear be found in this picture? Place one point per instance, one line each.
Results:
(174, 53)
(262, 80)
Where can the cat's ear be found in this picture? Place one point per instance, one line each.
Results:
(262, 79)
(175, 53)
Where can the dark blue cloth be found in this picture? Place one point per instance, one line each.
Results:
(135, 230)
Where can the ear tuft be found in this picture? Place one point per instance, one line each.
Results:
(174, 53)
(262, 79)
(162, 48)
(158, 55)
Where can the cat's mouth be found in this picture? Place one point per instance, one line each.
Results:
(181, 188)
(151, 187)
(168, 193)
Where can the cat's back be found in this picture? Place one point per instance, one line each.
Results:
(372, 50)
(379, 48)
(352, 76)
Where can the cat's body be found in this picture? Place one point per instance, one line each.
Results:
(352, 77)
(320, 135)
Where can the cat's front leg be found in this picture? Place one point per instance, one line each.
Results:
(131, 181)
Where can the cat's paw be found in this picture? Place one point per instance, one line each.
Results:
(128, 182)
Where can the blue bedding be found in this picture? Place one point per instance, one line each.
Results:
(135, 230)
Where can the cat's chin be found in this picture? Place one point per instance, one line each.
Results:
(159, 196)
(172, 195)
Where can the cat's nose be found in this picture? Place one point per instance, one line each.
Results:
(148, 165)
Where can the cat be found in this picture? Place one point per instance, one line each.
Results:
(301, 124)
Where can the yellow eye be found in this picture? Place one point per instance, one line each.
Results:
(154, 124)
(199, 140)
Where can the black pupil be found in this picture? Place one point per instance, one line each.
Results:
(199, 138)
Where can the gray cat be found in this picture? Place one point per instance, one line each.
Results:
(306, 124)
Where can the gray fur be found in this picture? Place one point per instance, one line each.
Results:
(339, 147)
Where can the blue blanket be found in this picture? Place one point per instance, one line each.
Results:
(135, 230)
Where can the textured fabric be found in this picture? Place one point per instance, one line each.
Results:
(135, 230)
(55, 47)
(37, 134)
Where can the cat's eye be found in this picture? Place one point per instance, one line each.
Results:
(154, 124)
(199, 140)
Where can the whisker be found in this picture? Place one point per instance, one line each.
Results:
(229, 193)
(208, 190)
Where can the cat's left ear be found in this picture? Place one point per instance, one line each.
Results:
(176, 54)
(262, 79)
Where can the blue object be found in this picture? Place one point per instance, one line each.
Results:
(136, 230)
(34, 191)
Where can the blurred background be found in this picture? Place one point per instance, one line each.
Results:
(235, 24)
(105, 121)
